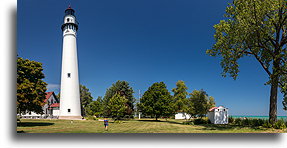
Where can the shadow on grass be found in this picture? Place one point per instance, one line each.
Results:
(172, 122)
(30, 124)
(20, 131)
(226, 127)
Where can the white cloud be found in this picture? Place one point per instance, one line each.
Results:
(53, 87)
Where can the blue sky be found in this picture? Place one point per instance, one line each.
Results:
(141, 42)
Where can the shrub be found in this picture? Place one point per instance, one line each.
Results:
(260, 122)
(256, 122)
(267, 124)
(237, 121)
(230, 120)
(246, 122)
(280, 124)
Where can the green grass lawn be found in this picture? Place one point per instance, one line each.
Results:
(131, 126)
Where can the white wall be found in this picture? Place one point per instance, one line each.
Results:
(219, 115)
(70, 93)
(182, 116)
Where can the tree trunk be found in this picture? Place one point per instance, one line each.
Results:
(273, 94)
(273, 103)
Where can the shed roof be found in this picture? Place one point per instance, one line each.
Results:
(212, 109)
(55, 105)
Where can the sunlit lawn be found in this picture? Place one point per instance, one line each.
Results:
(131, 126)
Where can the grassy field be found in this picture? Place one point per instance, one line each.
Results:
(131, 126)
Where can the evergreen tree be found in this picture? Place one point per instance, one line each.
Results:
(86, 99)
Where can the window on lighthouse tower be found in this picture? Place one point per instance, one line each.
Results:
(68, 19)
(69, 75)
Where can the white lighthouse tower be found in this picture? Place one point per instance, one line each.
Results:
(70, 105)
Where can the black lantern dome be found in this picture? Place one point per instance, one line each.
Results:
(69, 11)
(70, 19)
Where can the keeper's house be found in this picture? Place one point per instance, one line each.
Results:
(50, 109)
(218, 115)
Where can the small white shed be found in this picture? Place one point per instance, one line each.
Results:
(181, 115)
(218, 115)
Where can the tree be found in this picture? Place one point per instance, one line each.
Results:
(199, 103)
(117, 106)
(180, 93)
(30, 86)
(157, 101)
(86, 99)
(123, 89)
(210, 103)
(95, 108)
(255, 28)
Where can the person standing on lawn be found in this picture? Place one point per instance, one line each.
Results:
(106, 123)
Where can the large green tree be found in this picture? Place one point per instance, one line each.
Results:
(157, 101)
(180, 93)
(95, 108)
(124, 90)
(86, 99)
(199, 103)
(117, 106)
(255, 28)
(30, 86)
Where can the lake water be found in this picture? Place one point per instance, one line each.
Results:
(260, 117)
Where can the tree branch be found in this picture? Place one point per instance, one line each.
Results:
(261, 63)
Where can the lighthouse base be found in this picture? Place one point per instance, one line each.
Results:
(71, 117)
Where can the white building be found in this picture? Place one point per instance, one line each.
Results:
(218, 115)
(50, 108)
(70, 107)
(181, 115)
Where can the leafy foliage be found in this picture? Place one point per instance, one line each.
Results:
(124, 90)
(199, 102)
(180, 93)
(255, 28)
(280, 124)
(210, 102)
(30, 86)
(117, 106)
(86, 99)
(157, 101)
(95, 108)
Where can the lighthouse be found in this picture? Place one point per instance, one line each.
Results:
(70, 104)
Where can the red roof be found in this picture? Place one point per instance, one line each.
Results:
(48, 95)
(55, 105)
(212, 109)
